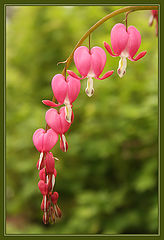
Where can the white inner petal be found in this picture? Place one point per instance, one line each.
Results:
(89, 90)
(53, 182)
(40, 160)
(64, 142)
(122, 67)
(68, 109)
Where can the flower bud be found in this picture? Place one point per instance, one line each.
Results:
(54, 197)
(42, 174)
(58, 212)
(43, 205)
(50, 163)
(43, 187)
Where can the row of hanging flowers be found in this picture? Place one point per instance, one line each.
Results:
(125, 42)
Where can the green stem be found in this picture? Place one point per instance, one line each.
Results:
(101, 21)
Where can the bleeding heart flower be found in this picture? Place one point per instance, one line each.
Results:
(42, 174)
(43, 187)
(54, 197)
(90, 64)
(65, 91)
(125, 44)
(154, 15)
(44, 141)
(58, 123)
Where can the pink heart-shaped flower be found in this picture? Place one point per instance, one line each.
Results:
(57, 120)
(44, 141)
(63, 89)
(43, 187)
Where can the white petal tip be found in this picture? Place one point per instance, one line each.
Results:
(89, 93)
(120, 73)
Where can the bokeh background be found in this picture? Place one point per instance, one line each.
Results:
(108, 179)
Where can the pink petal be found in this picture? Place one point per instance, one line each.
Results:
(43, 187)
(38, 139)
(59, 87)
(42, 174)
(98, 60)
(74, 75)
(55, 172)
(140, 55)
(73, 88)
(82, 60)
(106, 75)
(134, 41)
(51, 103)
(119, 38)
(50, 139)
(50, 163)
(53, 120)
(65, 125)
(108, 48)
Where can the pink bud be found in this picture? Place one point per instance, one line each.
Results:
(42, 174)
(50, 163)
(54, 197)
(43, 187)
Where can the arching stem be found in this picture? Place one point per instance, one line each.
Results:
(89, 43)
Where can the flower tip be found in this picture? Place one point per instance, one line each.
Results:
(89, 93)
(121, 73)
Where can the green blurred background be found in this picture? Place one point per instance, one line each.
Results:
(108, 179)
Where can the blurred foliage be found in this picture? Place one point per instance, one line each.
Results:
(107, 181)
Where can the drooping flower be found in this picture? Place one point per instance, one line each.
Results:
(90, 64)
(125, 44)
(65, 91)
(54, 197)
(58, 123)
(44, 141)
(154, 15)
